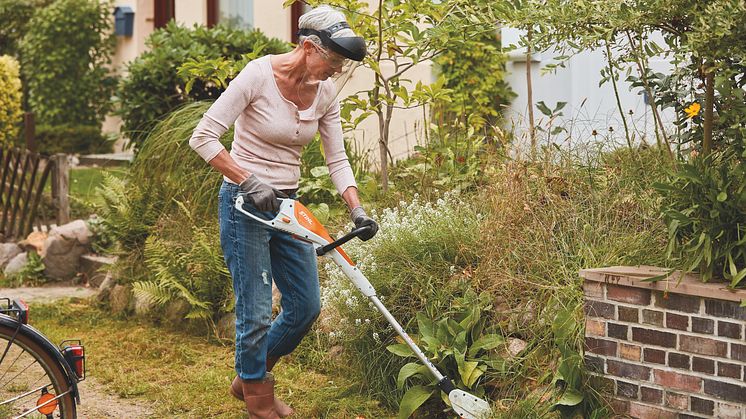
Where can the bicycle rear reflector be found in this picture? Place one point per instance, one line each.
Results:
(75, 356)
(23, 311)
(46, 404)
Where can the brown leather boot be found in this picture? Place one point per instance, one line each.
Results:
(259, 397)
(282, 409)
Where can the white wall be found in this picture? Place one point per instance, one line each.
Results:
(272, 19)
(190, 12)
(589, 107)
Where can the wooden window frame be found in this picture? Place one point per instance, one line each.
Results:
(163, 12)
(212, 13)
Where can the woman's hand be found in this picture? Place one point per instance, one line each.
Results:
(261, 195)
(361, 219)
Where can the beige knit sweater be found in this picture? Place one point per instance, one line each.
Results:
(270, 130)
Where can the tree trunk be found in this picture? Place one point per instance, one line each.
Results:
(530, 97)
(383, 151)
(708, 114)
(612, 76)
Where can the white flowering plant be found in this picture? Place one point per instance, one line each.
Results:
(416, 263)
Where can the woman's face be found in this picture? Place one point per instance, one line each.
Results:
(322, 63)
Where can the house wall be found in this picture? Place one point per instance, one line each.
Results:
(274, 20)
(589, 106)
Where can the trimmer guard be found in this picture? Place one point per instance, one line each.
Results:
(469, 406)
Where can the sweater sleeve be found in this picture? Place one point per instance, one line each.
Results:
(224, 112)
(330, 129)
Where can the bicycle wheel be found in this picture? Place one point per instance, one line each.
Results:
(29, 376)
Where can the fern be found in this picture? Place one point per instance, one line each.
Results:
(188, 268)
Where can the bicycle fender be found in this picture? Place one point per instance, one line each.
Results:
(35, 335)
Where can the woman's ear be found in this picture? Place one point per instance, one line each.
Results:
(307, 46)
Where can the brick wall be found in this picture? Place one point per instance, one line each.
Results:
(679, 353)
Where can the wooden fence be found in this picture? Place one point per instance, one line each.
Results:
(25, 201)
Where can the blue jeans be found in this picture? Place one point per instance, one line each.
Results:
(255, 255)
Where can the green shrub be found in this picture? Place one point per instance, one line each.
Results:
(705, 206)
(72, 139)
(164, 172)
(10, 100)
(475, 73)
(16, 15)
(64, 57)
(152, 87)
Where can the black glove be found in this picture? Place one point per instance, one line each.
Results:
(261, 195)
(361, 219)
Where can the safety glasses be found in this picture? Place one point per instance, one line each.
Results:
(331, 58)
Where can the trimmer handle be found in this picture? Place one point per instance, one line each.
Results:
(240, 200)
(321, 251)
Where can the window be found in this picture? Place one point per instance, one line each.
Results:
(163, 13)
(236, 13)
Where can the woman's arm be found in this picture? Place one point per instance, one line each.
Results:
(351, 198)
(225, 164)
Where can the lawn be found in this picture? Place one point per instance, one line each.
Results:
(183, 375)
(83, 184)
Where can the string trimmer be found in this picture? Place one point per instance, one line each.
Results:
(296, 219)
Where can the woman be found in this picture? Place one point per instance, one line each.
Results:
(278, 103)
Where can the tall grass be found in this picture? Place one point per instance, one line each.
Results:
(522, 237)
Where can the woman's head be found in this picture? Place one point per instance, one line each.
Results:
(328, 30)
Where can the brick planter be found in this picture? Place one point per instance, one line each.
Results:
(674, 354)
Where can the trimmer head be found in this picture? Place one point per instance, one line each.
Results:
(469, 406)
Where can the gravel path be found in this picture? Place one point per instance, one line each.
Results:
(47, 293)
(96, 401)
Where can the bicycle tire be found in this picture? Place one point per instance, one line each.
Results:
(26, 341)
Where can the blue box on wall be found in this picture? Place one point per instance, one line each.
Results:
(124, 20)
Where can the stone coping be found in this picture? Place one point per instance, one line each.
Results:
(687, 284)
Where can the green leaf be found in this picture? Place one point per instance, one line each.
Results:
(425, 325)
(468, 375)
(722, 196)
(737, 279)
(570, 397)
(474, 378)
(413, 399)
(486, 342)
(319, 171)
(405, 372)
(400, 349)
(543, 108)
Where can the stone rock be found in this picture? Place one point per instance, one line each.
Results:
(120, 298)
(34, 241)
(94, 267)
(16, 264)
(63, 248)
(227, 326)
(175, 312)
(516, 346)
(7, 252)
(104, 290)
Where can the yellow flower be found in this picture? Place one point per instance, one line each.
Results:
(692, 110)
